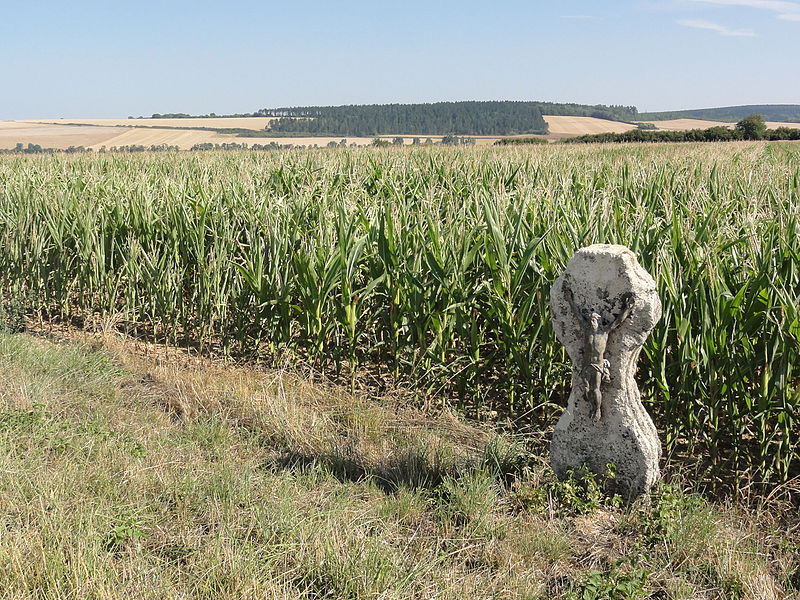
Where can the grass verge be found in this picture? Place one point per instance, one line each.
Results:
(127, 471)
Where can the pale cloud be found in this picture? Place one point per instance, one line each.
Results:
(720, 29)
(788, 11)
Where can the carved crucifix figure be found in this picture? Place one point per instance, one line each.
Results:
(607, 281)
(595, 339)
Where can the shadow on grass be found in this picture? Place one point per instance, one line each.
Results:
(415, 467)
(411, 469)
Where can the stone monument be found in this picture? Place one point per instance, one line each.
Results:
(603, 307)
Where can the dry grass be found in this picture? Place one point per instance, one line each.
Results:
(129, 471)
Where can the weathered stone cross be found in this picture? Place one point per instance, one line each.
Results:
(603, 307)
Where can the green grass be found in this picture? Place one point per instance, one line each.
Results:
(431, 268)
(266, 486)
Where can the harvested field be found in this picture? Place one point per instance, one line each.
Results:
(573, 126)
(254, 123)
(64, 136)
(95, 136)
(4, 125)
(183, 138)
(53, 136)
(776, 124)
(686, 124)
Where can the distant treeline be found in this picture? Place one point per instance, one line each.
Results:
(37, 149)
(712, 134)
(442, 118)
(789, 113)
(235, 146)
(520, 141)
(188, 116)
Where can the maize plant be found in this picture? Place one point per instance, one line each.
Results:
(433, 266)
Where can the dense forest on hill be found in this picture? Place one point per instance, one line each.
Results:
(772, 112)
(459, 118)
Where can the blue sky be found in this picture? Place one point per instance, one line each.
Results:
(88, 58)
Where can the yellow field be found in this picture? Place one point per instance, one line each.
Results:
(217, 123)
(775, 124)
(64, 136)
(54, 136)
(684, 124)
(572, 126)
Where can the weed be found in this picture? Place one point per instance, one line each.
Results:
(617, 583)
(124, 531)
(579, 493)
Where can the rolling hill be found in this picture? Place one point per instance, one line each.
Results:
(771, 112)
(485, 122)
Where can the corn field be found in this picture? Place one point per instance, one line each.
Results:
(432, 267)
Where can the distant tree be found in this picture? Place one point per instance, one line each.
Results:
(415, 141)
(719, 134)
(454, 140)
(379, 143)
(428, 140)
(783, 133)
(398, 141)
(519, 141)
(752, 127)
